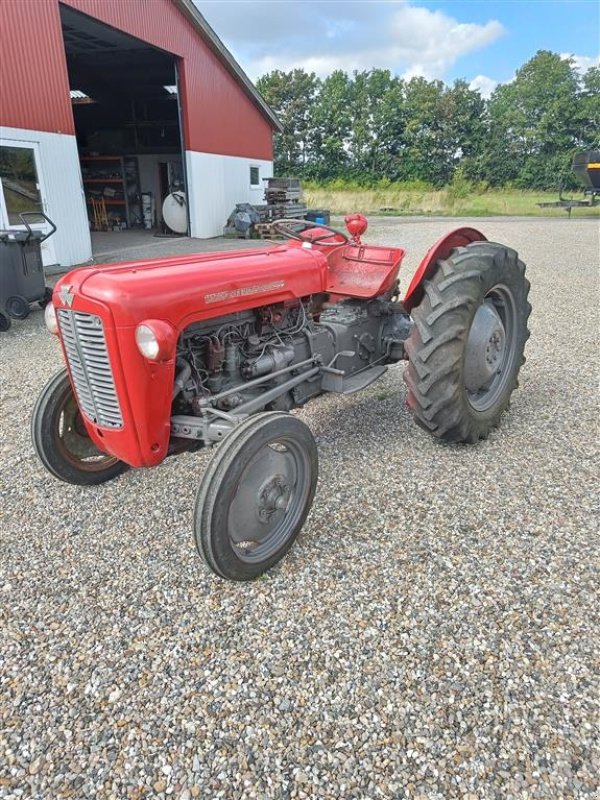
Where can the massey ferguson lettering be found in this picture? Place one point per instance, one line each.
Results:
(217, 297)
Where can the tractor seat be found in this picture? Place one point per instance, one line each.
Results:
(363, 271)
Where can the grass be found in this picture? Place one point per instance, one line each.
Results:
(398, 200)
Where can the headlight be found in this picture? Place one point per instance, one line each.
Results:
(156, 339)
(50, 318)
(147, 342)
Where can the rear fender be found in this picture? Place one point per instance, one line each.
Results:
(441, 249)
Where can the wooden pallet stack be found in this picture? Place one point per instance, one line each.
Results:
(284, 201)
(265, 230)
(284, 198)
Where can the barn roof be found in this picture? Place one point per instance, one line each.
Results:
(200, 23)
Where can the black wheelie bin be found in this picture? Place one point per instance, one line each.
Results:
(22, 279)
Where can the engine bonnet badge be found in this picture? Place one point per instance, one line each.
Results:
(66, 295)
(243, 291)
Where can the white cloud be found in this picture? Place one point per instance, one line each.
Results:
(323, 36)
(582, 63)
(430, 42)
(484, 85)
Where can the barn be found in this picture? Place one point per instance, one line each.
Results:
(109, 107)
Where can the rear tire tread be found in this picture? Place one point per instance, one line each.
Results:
(435, 347)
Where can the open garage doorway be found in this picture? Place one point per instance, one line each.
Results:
(127, 115)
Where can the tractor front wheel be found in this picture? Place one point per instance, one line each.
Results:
(466, 346)
(255, 495)
(61, 440)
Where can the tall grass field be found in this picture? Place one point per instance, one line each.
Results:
(459, 199)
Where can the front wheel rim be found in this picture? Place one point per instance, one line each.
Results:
(269, 500)
(71, 440)
(491, 349)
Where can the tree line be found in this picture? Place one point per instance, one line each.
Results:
(373, 126)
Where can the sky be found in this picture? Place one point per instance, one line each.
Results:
(482, 41)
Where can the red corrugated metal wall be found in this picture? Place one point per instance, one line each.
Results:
(34, 85)
(34, 91)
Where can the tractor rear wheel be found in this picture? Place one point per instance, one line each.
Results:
(466, 346)
(255, 495)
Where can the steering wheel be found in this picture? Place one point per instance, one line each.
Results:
(284, 227)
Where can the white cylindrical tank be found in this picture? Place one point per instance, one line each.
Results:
(174, 212)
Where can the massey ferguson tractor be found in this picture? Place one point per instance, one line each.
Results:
(175, 354)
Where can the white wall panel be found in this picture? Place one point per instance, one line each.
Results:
(62, 192)
(215, 184)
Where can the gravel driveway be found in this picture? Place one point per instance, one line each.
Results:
(433, 634)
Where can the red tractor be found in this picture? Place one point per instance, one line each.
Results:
(179, 353)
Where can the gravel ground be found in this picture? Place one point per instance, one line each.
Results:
(433, 634)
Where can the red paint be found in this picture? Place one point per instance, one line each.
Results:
(178, 291)
(34, 84)
(362, 271)
(182, 290)
(441, 249)
(357, 225)
(219, 116)
(185, 289)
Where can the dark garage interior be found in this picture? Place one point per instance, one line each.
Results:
(127, 120)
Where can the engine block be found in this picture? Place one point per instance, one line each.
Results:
(267, 354)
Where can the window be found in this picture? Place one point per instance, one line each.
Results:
(254, 176)
(19, 179)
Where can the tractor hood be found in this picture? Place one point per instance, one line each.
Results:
(183, 289)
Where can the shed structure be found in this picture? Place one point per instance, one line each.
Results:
(107, 107)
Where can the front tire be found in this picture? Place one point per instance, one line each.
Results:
(255, 495)
(466, 346)
(61, 440)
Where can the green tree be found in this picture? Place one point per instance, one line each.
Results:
(360, 123)
(331, 128)
(463, 129)
(373, 125)
(534, 124)
(378, 123)
(292, 96)
(423, 156)
(389, 132)
(589, 131)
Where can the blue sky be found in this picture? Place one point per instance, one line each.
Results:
(483, 42)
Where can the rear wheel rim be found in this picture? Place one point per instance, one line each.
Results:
(71, 440)
(269, 500)
(491, 349)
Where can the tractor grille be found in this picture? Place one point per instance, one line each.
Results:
(89, 364)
